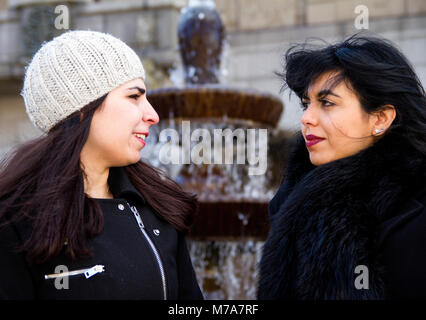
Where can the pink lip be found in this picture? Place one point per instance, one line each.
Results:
(143, 142)
(312, 140)
(146, 135)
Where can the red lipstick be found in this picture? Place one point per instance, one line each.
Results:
(312, 140)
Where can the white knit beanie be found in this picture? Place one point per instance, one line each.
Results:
(73, 70)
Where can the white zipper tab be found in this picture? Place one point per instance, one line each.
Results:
(94, 270)
(88, 272)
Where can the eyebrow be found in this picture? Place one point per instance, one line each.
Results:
(326, 92)
(322, 94)
(142, 91)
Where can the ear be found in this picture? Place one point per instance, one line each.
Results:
(383, 119)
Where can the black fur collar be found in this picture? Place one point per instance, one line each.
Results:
(328, 218)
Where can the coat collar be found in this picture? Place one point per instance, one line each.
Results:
(120, 184)
(386, 174)
(327, 220)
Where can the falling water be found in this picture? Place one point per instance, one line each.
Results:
(226, 240)
(226, 270)
(220, 181)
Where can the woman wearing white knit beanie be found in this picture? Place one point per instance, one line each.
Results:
(82, 217)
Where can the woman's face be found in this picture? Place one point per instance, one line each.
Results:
(333, 123)
(120, 125)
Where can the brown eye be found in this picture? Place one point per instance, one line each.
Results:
(326, 103)
(134, 96)
(304, 105)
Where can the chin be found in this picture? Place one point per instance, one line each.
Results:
(138, 156)
(135, 159)
(317, 161)
(128, 160)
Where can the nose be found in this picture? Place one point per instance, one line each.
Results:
(149, 114)
(309, 116)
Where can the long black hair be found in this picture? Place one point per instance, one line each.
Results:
(374, 68)
(42, 180)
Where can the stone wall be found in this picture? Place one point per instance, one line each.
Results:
(245, 15)
(149, 26)
(259, 32)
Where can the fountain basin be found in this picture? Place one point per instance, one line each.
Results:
(216, 101)
(231, 220)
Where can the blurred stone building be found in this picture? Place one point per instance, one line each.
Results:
(259, 31)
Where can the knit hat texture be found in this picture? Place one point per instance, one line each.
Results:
(73, 70)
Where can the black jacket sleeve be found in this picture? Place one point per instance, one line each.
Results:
(188, 286)
(405, 258)
(15, 279)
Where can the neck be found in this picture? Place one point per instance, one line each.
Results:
(95, 179)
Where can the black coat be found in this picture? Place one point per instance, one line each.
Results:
(130, 271)
(364, 210)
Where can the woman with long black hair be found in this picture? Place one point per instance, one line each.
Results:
(349, 220)
(82, 217)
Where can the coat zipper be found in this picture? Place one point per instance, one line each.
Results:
(153, 248)
(88, 272)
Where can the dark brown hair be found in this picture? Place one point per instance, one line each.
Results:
(42, 180)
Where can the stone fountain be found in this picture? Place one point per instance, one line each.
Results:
(226, 239)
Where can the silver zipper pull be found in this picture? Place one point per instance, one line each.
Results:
(94, 270)
(137, 216)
